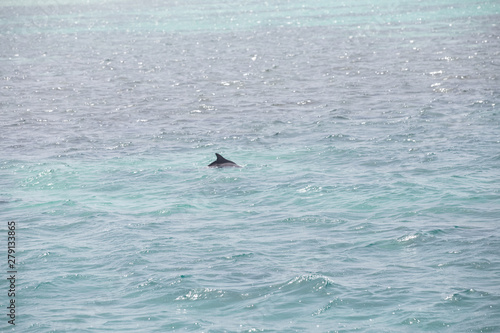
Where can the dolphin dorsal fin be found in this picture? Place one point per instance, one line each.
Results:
(221, 159)
(222, 162)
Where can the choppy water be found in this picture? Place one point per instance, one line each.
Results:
(369, 135)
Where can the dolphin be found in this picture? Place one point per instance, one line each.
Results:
(221, 162)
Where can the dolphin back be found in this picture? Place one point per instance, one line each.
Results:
(221, 162)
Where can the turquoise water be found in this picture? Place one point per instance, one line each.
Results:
(369, 138)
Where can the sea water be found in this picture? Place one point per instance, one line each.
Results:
(368, 135)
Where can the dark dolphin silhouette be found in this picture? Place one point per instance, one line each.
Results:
(221, 162)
